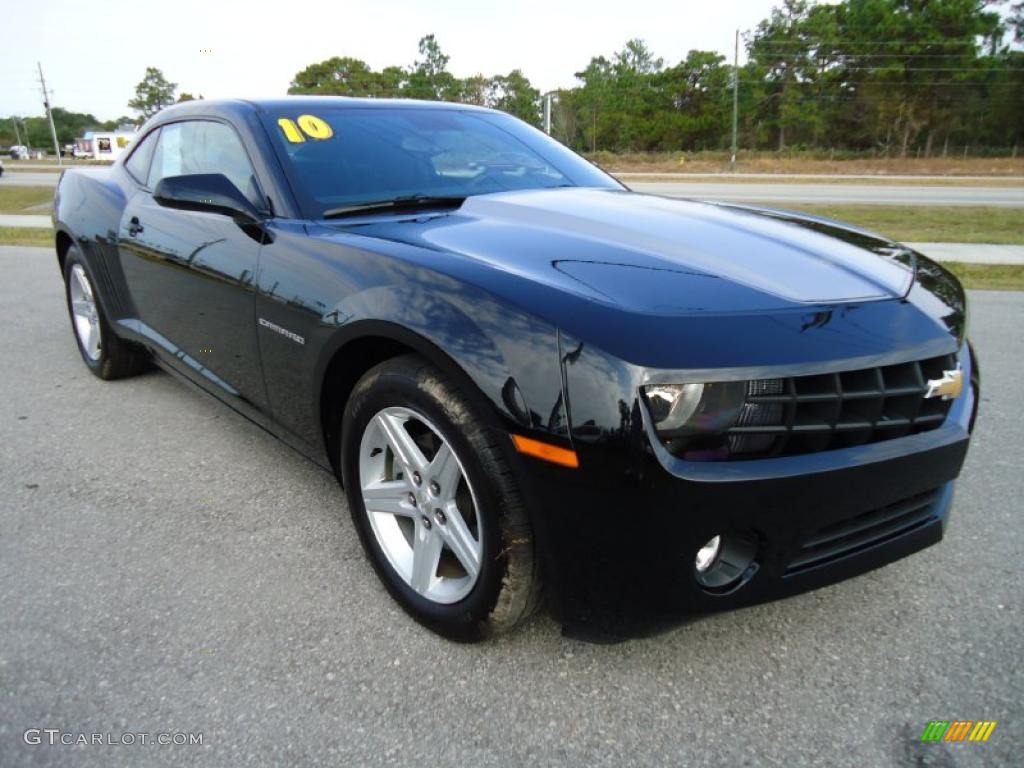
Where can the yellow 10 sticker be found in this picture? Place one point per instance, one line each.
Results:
(308, 125)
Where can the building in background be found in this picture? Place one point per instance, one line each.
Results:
(104, 145)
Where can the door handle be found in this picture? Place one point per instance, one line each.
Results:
(134, 227)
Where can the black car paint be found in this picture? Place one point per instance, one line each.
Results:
(536, 303)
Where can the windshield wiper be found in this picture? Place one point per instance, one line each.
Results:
(406, 203)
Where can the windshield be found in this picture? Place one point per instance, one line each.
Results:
(349, 156)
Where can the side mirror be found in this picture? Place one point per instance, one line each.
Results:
(210, 192)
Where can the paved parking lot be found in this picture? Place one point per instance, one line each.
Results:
(167, 567)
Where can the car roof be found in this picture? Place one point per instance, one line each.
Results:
(289, 103)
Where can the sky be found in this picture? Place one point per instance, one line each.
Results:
(94, 53)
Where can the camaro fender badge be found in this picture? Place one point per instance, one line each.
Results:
(948, 387)
(285, 332)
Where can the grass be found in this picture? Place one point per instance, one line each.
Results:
(927, 224)
(21, 199)
(988, 277)
(26, 236)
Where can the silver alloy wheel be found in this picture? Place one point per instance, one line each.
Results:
(420, 505)
(84, 312)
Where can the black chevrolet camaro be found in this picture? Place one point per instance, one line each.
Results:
(523, 374)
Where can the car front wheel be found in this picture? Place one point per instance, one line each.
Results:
(435, 504)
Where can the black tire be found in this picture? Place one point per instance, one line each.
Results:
(507, 589)
(118, 358)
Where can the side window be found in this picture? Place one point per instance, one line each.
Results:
(203, 146)
(167, 157)
(138, 163)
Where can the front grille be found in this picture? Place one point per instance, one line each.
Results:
(849, 536)
(807, 414)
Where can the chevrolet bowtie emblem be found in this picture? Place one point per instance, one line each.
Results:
(948, 387)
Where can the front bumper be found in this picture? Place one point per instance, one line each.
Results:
(620, 545)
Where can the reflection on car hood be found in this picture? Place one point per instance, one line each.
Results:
(648, 254)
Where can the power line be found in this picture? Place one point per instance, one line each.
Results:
(963, 42)
(889, 84)
(735, 100)
(878, 67)
(879, 97)
(49, 112)
(818, 53)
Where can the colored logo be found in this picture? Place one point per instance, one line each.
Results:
(958, 730)
(948, 387)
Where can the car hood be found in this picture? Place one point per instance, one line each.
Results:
(648, 254)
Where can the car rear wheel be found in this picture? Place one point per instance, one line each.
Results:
(435, 504)
(106, 355)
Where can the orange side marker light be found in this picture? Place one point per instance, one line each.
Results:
(546, 451)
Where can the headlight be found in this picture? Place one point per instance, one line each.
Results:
(685, 410)
(696, 421)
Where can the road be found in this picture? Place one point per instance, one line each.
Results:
(29, 179)
(774, 193)
(875, 178)
(167, 566)
(973, 253)
(25, 220)
(846, 193)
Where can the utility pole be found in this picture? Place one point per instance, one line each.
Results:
(547, 113)
(735, 99)
(49, 112)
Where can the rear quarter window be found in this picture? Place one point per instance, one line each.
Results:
(138, 162)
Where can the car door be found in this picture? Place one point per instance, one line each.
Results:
(191, 274)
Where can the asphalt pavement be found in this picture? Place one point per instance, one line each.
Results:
(836, 194)
(875, 178)
(167, 567)
(756, 192)
(29, 220)
(973, 253)
(29, 179)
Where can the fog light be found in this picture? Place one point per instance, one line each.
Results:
(726, 562)
(706, 555)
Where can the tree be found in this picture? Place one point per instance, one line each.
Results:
(514, 94)
(696, 103)
(346, 76)
(891, 75)
(475, 90)
(636, 58)
(783, 46)
(917, 83)
(111, 125)
(393, 80)
(153, 93)
(565, 116)
(429, 77)
(71, 125)
(1016, 20)
(592, 98)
